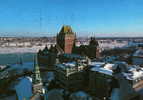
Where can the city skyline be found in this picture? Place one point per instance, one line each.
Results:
(100, 18)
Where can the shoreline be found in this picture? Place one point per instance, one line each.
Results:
(14, 50)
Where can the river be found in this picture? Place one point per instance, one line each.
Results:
(15, 58)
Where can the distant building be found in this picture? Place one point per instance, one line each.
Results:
(94, 48)
(91, 50)
(137, 58)
(117, 80)
(66, 39)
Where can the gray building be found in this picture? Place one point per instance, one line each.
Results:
(138, 57)
(69, 75)
(117, 81)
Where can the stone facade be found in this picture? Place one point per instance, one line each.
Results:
(46, 58)
(70, 75)
(93, 47)
(115, 81)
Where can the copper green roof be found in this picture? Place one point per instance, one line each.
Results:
(36, 76)
(66, 30)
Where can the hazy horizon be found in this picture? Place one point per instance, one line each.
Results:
(98, 35)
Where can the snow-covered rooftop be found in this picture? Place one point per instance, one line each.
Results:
(102, 67)
(67, 65)
(138, 53)
(97, 64)
(131, 73)
(134, 72)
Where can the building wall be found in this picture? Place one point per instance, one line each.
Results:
(98, 84)
(47, 61)
(68, 81)
(137, 61)
(69, 42)
(66, 42)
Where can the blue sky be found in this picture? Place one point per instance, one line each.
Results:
(87, 17)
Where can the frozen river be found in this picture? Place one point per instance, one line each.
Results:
(15, 58)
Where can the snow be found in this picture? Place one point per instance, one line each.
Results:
(135, 72)
(71, 64)
(106, 69)
(138, 53)
(33, 49)
(112, 45)
(97, 64)
(61, 66)
(102, 70)
(24, 88)
(109, 66)
(67, 65)
(2, 67)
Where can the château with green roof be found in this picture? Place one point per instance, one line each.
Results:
(66, 39)
(66, 30)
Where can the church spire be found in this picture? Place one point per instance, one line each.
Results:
(37, 78)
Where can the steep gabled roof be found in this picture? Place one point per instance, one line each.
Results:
(66, 30)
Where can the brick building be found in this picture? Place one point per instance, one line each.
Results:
(66, 39)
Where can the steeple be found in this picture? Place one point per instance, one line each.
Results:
(37, 81)
(36, 77)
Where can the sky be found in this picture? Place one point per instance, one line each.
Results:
(100, 18)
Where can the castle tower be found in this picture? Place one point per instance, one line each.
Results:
(66, 39)
(37, 81)
(93, 48)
